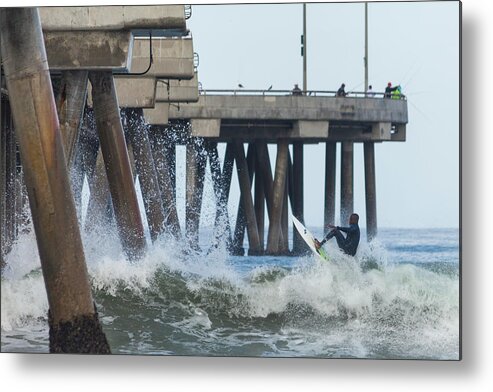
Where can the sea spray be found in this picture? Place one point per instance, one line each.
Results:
(178, 302)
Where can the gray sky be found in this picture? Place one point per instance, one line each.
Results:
(413, 44)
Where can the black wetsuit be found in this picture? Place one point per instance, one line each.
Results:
(349, 244)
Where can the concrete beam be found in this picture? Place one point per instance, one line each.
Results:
(172, 57)
(381, 131)
(294, 108)
(135, 91)
(112, 17)
(89, 50)
(178, 90)
(206, 128)
(310, 129)
(157, 115)
(399, 134)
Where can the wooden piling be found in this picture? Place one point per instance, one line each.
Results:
(146, 171)
(347, 181)
(370, 191)
(74, 324)
(117, 164)
(278, 191)
(330, 183)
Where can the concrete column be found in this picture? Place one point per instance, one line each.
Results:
(330, 183)
(284, 238)
(164, 160)
(221, 227)
(299, 246)
(3, 176)
(74, 324)
(259, 202)
(347, 170)
(70, 104)
(371, 191)
(10, 174)
(278, 191)
(227, 174)
(228, 164)
(196, 161)
(245, 176)
(144, 165)
(266, 174)
(117, 164)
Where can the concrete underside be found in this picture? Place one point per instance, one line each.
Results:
(112, 18)
(313, 119)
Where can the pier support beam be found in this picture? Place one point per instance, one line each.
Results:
(221, 227)
(347, 181)
(70, 103)
(196, 161)
(74, 324)
(259, 200)
(278, 190)
(163, 152)
(371, 191)
(117, 164)
(299, 246)
(144, 165)
(330, 183)
(246, 210)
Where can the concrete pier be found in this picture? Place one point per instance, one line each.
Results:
(117, 164)
(102, 41)
(74, 324)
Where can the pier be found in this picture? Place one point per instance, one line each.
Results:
(111, 93)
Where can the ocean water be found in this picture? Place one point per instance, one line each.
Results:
(397, 299)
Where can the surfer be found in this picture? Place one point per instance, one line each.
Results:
(348, 244)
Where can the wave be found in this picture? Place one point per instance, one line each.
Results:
(192, 295)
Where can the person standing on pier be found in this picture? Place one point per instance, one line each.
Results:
(296, 90)
(370, 93)
(341, 92)
(389, 89)
(348, 244)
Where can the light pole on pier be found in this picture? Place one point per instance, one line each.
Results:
(304, 49)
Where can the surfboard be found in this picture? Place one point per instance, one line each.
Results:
(309, 239)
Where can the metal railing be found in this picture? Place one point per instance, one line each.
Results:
(309, 93)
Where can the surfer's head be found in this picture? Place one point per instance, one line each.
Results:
(353, 219)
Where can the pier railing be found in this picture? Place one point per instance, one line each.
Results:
(309, 93)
